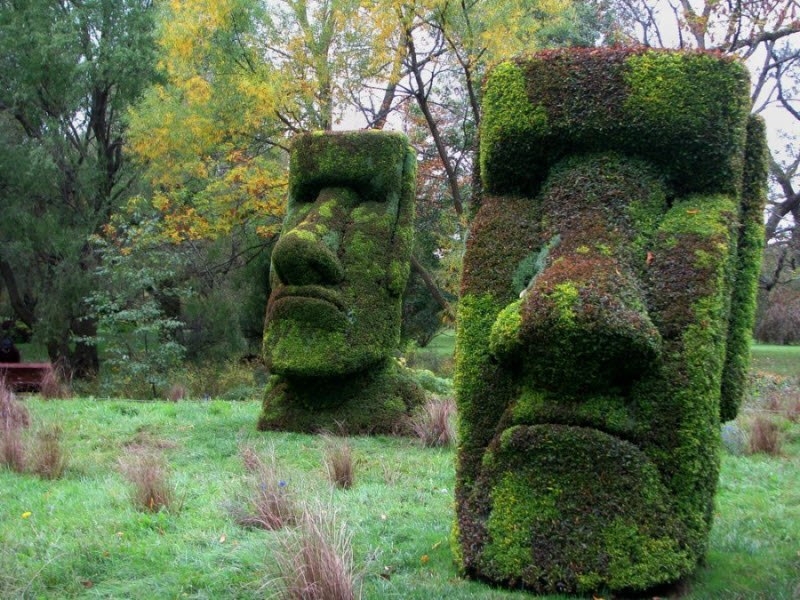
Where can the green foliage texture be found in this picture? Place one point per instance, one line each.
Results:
(68, 72)
(338, 274)
(606, 303)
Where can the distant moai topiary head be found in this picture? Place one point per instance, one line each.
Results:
(337, 278)
(607, 297)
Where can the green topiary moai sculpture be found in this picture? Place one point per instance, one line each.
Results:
(338, 274)
(607, 297)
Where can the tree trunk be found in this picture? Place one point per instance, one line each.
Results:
(434, 290)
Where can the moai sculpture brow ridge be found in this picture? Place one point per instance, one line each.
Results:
(337, 277)
(607, 296)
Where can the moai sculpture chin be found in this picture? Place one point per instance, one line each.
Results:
(337, 277)
(607, 296)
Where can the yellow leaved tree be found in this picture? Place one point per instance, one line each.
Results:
(239, 77)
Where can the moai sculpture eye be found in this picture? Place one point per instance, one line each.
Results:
(338, 274)
(607, 297)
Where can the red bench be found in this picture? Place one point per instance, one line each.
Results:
(24, 377)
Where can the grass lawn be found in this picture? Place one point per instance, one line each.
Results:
(81, 536)
(782, 360)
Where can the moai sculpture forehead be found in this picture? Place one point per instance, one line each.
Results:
(606, 302)
(684, 113)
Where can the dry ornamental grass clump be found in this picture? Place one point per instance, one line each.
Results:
(316, 563)
(765, 436)
(14, 417)
(269, 504)
(793, 410)
(13, 414)
(339, 462)
(49, 460)
(53, 386)
(12, 450)
(177, 392)
(149, 476)
(434, 424)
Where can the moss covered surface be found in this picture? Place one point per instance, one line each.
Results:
(684, 112)
(602, 500)
(338, 273)
(377, 400)
(751, 245)
(600, 312)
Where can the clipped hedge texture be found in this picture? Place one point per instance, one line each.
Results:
(686, 113)
(337, 277)
(606, 302)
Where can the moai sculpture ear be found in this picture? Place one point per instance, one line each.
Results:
(751, 246)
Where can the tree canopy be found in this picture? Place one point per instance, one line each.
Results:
(68, 72)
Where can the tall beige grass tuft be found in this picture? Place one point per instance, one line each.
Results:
(793, 410)
(177, 392)
(765, 436)
(49, 460)
(13, 414)
(14, 417)
(12, 450)
(339, 462)
(54, 386)
(269, 503)
(434, 423)
(316, 562)
(148, 475)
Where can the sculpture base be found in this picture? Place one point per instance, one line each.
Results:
(377, 400)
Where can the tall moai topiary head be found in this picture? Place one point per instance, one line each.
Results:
(607, 297)
(337, 277)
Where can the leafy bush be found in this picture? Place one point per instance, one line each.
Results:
(735, 439)
(433, 383)
(231, 379)
(440, 364)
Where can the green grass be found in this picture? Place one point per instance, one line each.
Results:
(81, 537)
(84, 539)
(443, 344)
(782, 360)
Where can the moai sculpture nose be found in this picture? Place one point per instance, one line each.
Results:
(588, 316)
(306, 255)
(585, 311)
